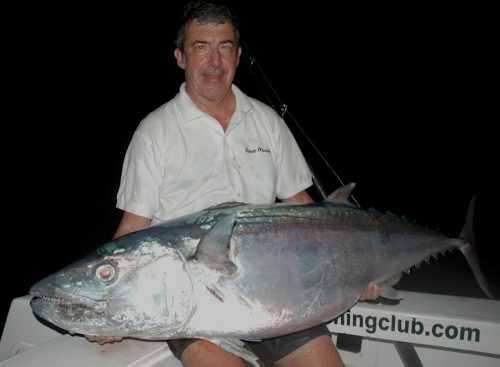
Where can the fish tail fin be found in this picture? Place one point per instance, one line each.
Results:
(469, 249)
(467, 232)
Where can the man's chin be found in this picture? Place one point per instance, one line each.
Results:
(215, 91)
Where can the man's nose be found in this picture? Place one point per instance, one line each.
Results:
(214, 57)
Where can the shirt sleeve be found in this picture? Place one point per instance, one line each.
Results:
(141, 176)
(294, 174)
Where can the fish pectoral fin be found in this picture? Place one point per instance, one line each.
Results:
(237, 347)
(213, 250)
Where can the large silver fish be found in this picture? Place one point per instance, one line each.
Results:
(237, 271)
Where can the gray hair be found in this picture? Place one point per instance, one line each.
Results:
(204, 12)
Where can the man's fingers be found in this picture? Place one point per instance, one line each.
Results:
(372, 291)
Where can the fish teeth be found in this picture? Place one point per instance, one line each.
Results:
(81, 301)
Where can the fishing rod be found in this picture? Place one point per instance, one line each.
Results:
(261, 81)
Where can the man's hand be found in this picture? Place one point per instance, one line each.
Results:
(103, 339)
(371, 292)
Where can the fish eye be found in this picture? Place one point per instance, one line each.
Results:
(105, 272)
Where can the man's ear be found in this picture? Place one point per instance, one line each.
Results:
(179, 58)
(239, 55)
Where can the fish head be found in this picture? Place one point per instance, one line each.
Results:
(125, 288)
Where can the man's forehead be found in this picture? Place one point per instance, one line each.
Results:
(198, 29)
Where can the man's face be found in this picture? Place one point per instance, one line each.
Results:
(210, 58)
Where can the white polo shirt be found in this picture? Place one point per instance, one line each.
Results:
(180, 160)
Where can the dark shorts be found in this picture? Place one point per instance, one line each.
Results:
(268, 350)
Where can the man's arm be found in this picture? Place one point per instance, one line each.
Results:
(300, 197)
(130, 223)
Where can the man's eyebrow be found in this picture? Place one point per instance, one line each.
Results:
(206, 42)
(199, 41)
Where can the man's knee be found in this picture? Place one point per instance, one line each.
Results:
(202, 352)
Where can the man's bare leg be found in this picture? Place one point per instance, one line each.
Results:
(319, 352)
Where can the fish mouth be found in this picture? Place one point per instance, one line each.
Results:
(74, 315)
(73, 302)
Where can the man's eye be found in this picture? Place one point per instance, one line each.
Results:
(226, 47)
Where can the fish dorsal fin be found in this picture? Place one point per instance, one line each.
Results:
(342, 194)
(391, 214)
(213, 249)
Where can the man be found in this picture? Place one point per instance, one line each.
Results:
(213, 144)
